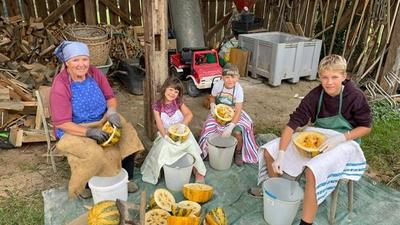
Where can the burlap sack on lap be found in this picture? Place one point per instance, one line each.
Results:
(87, 159)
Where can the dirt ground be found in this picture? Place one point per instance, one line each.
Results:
(25, 170)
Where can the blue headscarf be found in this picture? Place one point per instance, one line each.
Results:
(69, 49)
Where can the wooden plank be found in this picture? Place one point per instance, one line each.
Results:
(102, 13)
(240, 58)
(211, 22)
(124, 6)
(15, 137)
(290, 28)
(210, 33)
(11, 105)
(112, 15)
(52, 4)
(32, 136)
(17, 89)
(136, 12)
(90, 12)
(68, 16)
(117, 11)
(259, 9)
(204, 15)
(80, 11)
(41, 8)
(220, 15)
(267, 10)
(4, 93)
(393, 48)
(12, 8)
(1, 9)
(59, 11)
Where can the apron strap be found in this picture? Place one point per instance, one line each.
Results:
(322, 96)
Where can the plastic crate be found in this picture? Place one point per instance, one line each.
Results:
(280, 56)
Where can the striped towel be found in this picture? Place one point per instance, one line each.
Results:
(249, 147)
(345, 161)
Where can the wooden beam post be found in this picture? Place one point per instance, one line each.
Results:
(90, 12)
(111, 6)
(59, 11)
(156, 56)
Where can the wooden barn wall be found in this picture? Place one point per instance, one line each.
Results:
(43, 8)
(356, 29)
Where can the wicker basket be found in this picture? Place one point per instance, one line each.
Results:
(96, 38)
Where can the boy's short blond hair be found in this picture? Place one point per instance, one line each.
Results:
(333, 62)
(230, 70)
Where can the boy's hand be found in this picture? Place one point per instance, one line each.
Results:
(332, 142)
(228, 130)
(212, 108)
(277, 164)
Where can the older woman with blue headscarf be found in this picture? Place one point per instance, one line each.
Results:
(81, 101)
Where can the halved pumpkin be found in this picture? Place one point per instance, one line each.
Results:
(156, 217)
(197, 192)
(216, 216)
(194, 206)
(163, 199)
(183, 220)
(308, 142)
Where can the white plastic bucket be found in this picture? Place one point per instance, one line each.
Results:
(220, 151)
(178, 173)
(282, 199)
(109, 188)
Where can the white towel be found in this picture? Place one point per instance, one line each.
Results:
(345, 161)
(165, 153)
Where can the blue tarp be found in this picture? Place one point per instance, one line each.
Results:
(373, 203)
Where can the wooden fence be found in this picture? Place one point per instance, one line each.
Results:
(360, 30)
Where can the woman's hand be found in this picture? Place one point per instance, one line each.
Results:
(97, 135)
(113, 117)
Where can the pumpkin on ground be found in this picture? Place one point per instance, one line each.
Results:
(194, 206)
(156, 217)
(162, 199)
(216, 217)
(180, 220)
(178, 211)
(197, 192)
(104, 212)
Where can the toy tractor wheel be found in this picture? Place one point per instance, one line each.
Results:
(175, 73)
(192, 89)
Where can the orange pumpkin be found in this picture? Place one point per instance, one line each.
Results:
(197, 192)
(183, 220)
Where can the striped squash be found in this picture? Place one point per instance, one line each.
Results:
(104, 213)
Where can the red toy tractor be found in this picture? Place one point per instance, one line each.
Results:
(199, 66)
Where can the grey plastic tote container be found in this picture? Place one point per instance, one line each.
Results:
(280, 56)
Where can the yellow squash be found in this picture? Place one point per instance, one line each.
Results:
(156, 217)
(308, 142)
(196, 192)
(180, 220)
(216, 217)
(194, 206)
(104, 213)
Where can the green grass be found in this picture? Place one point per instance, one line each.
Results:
(18, 210)
(381, 146)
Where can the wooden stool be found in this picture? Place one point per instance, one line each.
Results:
(334, 198)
